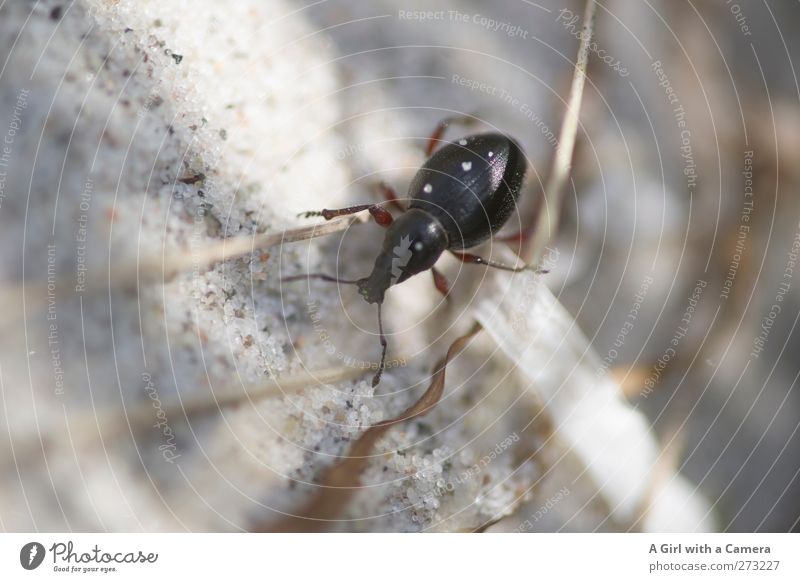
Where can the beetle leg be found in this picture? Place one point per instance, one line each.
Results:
(390, 195)
(523, 234)
(518, 237)
(322, 276)
(381, 215)
(441, 283)
(476, 260)
(436, 137)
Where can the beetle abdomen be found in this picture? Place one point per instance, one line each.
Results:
(471, 186)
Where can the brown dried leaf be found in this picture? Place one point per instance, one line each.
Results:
(342, 480)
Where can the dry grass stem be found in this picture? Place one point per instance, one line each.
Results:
(547, 219)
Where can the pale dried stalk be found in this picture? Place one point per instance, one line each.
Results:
(166, 266)
(590, 418)
(198, 404)
(238, 246)
(547, 218)
(108, 423)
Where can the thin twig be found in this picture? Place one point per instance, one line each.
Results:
(231, 248)
(547, 219)
(163, 267)
(106, 424)
(211, 402)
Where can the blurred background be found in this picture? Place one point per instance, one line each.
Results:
(138, 128)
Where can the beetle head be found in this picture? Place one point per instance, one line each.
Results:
(413, 244)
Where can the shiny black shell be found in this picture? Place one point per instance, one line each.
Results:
(471, 186)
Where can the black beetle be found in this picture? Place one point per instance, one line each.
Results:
(459, 198)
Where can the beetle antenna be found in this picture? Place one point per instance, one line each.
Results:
(322, 276)
(384, 344)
